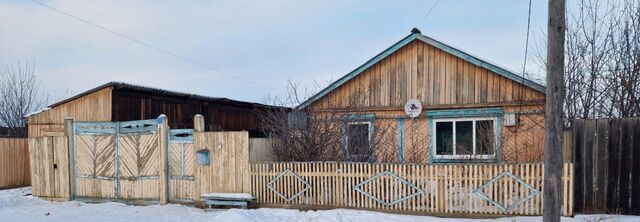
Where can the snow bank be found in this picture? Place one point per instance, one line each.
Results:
(19, 205)
(239, 196)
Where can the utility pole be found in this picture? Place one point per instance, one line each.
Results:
(553, 111)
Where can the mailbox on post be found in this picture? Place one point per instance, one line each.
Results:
(202, 157)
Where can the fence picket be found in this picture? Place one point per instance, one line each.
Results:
(447, 188)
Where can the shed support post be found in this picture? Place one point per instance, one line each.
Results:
(69, 133)
(163, 144)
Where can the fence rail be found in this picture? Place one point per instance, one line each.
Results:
(480, 189)
(14, 162)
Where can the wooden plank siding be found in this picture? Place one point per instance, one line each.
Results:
(437, 78)
(129, 105)
(95, 106)
(14, 162)
(125, 102)
(607, 165)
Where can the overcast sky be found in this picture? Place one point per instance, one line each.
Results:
(268, 42)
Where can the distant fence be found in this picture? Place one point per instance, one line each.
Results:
(14, 162)
(607, 165)
(514, 189)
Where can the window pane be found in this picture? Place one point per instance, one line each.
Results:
(464, 138)
(485, 138)
(358, 139)
(444, 138)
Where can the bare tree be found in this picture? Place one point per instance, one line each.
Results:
(602, 60)
(313, 134)
(21, 94)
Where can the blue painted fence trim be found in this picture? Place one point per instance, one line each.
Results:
(479, 192)
(95, 128)
(385, 203)
(181, 135)
(400, 140)
(139, 126)
(307, 186)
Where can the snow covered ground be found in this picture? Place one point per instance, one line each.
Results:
(19, 205)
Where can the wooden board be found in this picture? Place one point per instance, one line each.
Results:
(49, 158)
(439, 77)
(14, 162)
(228, 170)
(445, 189)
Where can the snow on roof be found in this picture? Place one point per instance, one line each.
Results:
(36, 112)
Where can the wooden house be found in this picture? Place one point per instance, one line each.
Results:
(117, 101)
(471, 110)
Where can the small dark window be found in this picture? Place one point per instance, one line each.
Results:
(359, 139)
(485, 138)
(464, 138)
(444, 140)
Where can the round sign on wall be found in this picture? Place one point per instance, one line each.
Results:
(413, 107)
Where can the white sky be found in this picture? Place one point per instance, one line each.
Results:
(269, 42)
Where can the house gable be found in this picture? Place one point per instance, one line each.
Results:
(425, 69)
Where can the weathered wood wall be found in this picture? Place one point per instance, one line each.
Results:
(14, 162)
(224, 116)
(49, 160)
(91, 107)
(441, 189)
(261, 150)
(522, 143)
(437, 78)
(228, 170)
(607, 165)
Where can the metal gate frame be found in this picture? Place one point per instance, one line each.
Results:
(108, 128)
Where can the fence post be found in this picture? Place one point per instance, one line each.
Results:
(198, 123)
(199, 176)
(69, 133)
(163, 129)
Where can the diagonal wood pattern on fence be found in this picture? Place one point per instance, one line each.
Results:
(139, 155)
(401, 187)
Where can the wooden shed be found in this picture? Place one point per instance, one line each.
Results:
(116, 102)
(464, 100)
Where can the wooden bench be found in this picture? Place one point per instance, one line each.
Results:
(227, 199)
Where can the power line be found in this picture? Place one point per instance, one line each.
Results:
(526, 44)
(429, 12)
(151, 46)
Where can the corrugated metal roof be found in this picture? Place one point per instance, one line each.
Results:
(156, 92)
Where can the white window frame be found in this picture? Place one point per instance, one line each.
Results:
(369, 130)
(474, 120)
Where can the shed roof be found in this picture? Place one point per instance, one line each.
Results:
(417, 35)
(157, 92)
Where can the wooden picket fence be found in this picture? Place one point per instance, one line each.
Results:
(513, 189)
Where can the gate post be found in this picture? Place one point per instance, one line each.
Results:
(69, 132)
(163, 144)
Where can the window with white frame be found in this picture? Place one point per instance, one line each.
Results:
(465, 138)
(359, 140)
